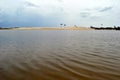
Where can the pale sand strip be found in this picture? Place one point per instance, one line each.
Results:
(53, 28)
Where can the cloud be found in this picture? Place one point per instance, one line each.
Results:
(53, 12)
(60, 0)
(85, 14)
(106, 9)
(1, 15)
(29, 20)
(0, 11)
(31, 4)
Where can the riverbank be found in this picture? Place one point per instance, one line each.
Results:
(48, 28)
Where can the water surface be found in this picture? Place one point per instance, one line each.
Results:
(59, 55)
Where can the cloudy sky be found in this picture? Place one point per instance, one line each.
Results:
(51, 13)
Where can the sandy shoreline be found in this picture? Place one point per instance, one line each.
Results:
(52, 28)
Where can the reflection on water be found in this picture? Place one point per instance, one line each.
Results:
(59, 55)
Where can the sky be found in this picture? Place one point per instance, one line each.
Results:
(51, 13)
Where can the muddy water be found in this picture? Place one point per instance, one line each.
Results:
(59, 55)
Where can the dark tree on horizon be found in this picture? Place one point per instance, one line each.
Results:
(61, 24)
(64, 24)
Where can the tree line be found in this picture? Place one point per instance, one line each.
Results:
(106, 28)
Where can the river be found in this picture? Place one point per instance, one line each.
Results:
(59, 55)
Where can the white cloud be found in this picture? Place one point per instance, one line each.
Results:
(79, 12)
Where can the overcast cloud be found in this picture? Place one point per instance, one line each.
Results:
(51, 13)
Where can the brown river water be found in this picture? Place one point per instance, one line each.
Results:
(59, 55)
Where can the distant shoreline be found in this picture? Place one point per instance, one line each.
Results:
(106, 28)
(48, 28)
